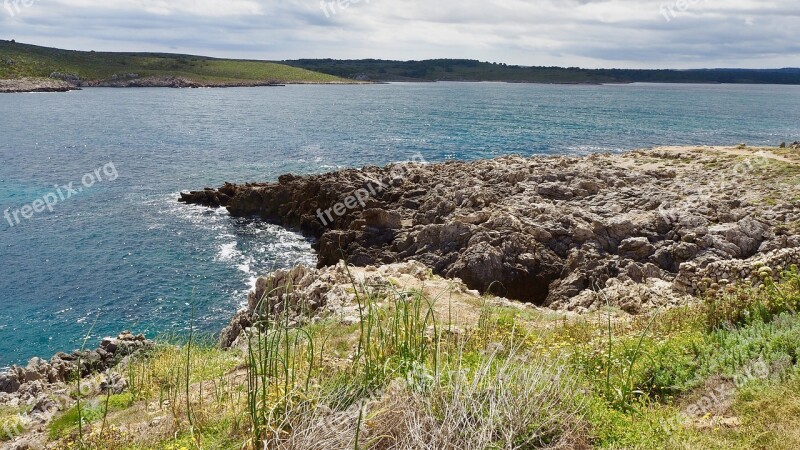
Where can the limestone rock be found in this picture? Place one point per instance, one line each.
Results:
(539, 230)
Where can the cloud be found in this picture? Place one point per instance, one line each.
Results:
(589, 33)
(203, 8)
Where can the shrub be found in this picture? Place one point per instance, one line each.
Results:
(740, 305)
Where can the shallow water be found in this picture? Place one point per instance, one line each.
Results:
(124, 253)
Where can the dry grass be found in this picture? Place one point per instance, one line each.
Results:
(509, 402)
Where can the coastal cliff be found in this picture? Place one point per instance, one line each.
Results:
(646, 227)
(636, 232)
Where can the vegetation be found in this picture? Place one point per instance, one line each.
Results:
(470, 70)
(22, 60)
(722, 374)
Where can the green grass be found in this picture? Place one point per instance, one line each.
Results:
(69, 420)
(22, 60)
(694, 377)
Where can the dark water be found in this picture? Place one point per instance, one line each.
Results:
(124, 251)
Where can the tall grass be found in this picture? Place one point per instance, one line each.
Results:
(404, 385)
(282, 360)
(505, 401)
(398, 379)
(398, 391)
(79, 377)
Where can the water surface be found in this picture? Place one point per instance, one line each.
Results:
(126, 252)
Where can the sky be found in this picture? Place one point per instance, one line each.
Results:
(586, 33)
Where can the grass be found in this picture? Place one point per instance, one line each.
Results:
(12, 423)
(22, 60)
(720, 374)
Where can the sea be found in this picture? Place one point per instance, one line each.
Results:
(93, 240)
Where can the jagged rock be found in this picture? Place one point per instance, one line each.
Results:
(540, 230)
(242, 321)
(69, 77)
(309, 294)
(27, 382)
(114, 383)
(380, 218)
(638, 248)
(40, 388)
(555, 191)
(9, 383)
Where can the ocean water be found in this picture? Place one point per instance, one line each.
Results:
(117, 249)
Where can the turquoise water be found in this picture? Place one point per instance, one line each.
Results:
(124, 252)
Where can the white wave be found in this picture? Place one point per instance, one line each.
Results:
(228, 252)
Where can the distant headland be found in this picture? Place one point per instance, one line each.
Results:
(31, 68)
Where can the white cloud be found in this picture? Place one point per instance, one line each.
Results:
(205, 8)
(590, 33)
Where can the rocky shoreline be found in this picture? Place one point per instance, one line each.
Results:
(22, 85)
(67, 82)
(638, 231)
(42, 388)
(172, 82)
(645, 228)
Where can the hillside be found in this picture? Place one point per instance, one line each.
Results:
(163, 69)
(470, 70)
(132, 69)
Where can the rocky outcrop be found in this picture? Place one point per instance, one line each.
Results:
(543, 230)
(304, 294)
(63, 366)
(35, 85)
(42, 389)
(71, 78)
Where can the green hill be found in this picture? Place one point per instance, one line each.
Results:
(105, 68)
(471, 70)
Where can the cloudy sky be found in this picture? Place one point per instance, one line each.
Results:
(586, 33)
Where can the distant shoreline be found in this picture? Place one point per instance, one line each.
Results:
(31, 85)
(125, 69)
(38, 85)
(45, 85)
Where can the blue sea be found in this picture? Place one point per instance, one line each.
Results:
(119, 250)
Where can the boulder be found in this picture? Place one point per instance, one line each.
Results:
(380, 218)
(637, 248)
